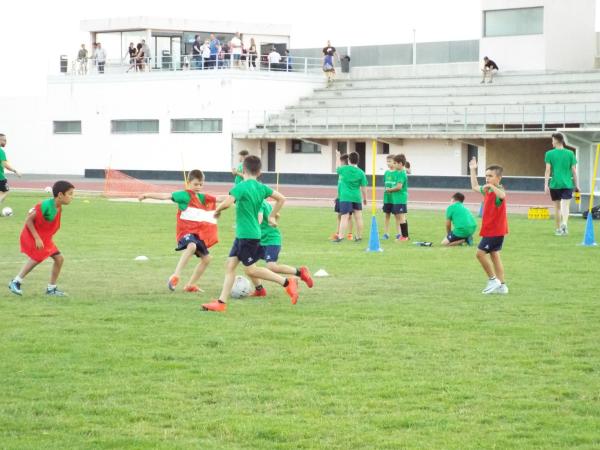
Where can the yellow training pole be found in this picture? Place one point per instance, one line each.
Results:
(594, 179)
(374, 194)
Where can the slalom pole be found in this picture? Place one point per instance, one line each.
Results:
(374, 235)
(588, 238)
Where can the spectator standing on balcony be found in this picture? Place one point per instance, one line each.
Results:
(93, 56)
(132, 51)
(205, 52)
(489, 69)
(197, 53)
(224, 56)
(140, 57)
(252, 54)
(147, 53)
(82, 59)
(100, 57)
(235, 46)
(274, 59)
(328, 65)
(215, 46)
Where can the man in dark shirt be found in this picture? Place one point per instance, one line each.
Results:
(489, 69)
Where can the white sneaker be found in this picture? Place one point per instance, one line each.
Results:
(502, 289)
(491, 286)
(558, 232)
(564, 230)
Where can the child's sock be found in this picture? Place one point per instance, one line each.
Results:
(51, 287)
(404, 229)
(493, 278)
(297, 272)
(259, 287)
(18, 279)
(286, 283)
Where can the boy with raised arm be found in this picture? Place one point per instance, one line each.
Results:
(494, 226)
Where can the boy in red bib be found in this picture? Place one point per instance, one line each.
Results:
(196, 228)
(43, 221)
(494, 226)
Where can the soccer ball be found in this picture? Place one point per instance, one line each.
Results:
(48, 190)
(241, 287)
(6, 212)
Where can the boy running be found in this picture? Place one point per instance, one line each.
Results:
(238, 171)
(270, 246)
(42, 223)
(462, 219)
(4, 165)
(352, 183)
(561, 164)
(248, 197)
(196, 228)
(493, 227)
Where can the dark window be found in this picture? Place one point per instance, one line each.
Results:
(305, 147)
(196, 125)
(67, 126)
(133, 126)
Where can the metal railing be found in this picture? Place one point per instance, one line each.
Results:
(473, 118)
(230, 61)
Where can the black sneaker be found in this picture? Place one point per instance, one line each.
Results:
(55, 293)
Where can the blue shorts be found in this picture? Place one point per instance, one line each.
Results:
(491, 244)
(561, 194)
(270, 253)
(453, 238)
(349, 207)
(201, 249)
(246, 250)
(336, 208)
(391, 208)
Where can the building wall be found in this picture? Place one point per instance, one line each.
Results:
(97, 100)
(518, 157)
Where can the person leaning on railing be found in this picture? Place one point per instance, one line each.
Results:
(82, 60)
(252, 54)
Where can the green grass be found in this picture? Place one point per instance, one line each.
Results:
(394, 350)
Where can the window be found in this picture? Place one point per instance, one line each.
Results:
(196, 125)
(133, 126)
(513, 22)
(67, 126)
(305, 147)
(386, 148)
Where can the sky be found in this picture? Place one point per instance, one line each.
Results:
(33, 34)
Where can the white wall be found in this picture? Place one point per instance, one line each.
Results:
(431, 157)
(96, 100)
(568, 41)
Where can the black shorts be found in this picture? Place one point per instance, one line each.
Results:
(491, 244)
(201, 249)
(336, 208)
(246, 250)
(4, 186)
(349, 207)
(270, 253)
(453, 238)
(394, 208)
(561, 194)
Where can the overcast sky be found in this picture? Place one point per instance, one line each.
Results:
(34, 33)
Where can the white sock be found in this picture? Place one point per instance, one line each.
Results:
(51, 287)
(564, 211)
(18, 279)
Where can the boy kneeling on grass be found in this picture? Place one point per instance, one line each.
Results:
(462, 219)
(42, 223)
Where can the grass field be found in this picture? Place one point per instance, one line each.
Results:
(394, 350)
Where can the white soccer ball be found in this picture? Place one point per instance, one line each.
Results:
(48, 189)
(6, 212)
(241, 287)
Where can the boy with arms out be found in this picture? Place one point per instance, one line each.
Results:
(270, 246)
(196, 228)
(248, 197)
(494, 226)
(4, 165)
(42, 223)
(238, 171)
(400, 197)
(352, 183)
(462, 219)
(561, 164)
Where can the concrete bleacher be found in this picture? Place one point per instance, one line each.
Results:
(525, 101)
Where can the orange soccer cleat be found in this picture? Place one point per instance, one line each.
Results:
(215, 305)
(305, 276)
(259, 293)
(192, 288)
(292, 290)
(173, 280)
